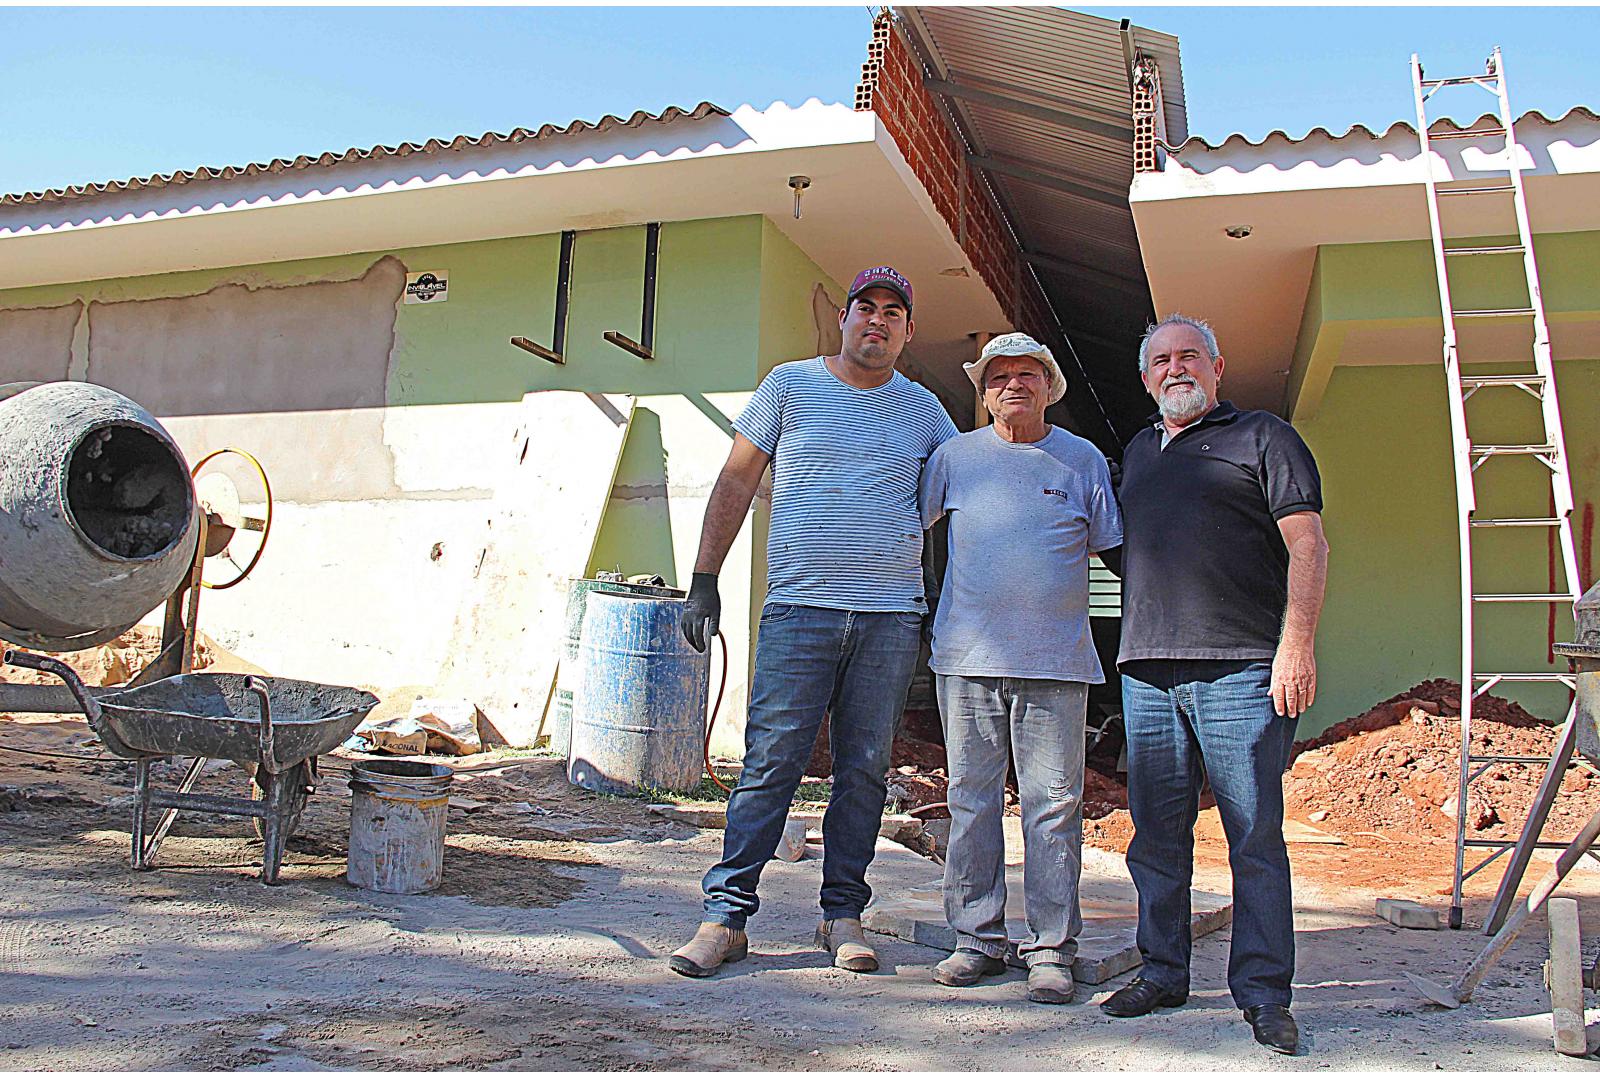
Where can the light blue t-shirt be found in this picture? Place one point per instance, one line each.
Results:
(1024, 518)
(846, 533)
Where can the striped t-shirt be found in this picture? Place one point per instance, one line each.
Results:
(845, 532)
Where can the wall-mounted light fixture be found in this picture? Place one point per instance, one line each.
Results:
(798, 184)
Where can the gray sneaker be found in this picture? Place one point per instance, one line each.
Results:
(964, 967)
(1050, 984)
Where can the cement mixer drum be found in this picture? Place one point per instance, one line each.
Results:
(98, 519)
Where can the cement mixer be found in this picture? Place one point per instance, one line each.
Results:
(100, 523)
(98, 518)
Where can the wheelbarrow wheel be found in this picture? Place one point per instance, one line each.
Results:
(298, 779)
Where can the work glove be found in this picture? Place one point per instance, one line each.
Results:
(702, 611)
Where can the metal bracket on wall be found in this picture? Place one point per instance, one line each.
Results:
(647, 320)
(556, 354)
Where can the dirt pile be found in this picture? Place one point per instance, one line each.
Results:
(115, 662)
(1392, 773)
(1400, 777)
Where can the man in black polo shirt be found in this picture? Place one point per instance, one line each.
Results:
(1223, 569)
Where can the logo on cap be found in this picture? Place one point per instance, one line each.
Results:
(881, 277)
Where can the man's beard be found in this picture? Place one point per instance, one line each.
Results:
(1183, 403)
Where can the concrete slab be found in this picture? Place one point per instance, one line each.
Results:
(1407, 914)
(909, 904)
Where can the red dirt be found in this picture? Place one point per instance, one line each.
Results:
(1383, 782)
(1402, 779)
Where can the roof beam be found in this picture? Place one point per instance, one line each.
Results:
(1049, 115)
(1043, 179)
(1056, 264)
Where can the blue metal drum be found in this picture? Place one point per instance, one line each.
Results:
(559, 725)
(639, 708)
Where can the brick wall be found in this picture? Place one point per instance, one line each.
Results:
(891, 86)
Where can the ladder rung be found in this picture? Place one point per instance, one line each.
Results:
(1508, 523)
(1501, 380)
(1470, 133)
(1524, 676)
(1494, 313)
(1547, 845)
(1494, 449)
(1506, 249)
(1509, 759)
(1491, 189)
(1460, 80)
(1524, 598)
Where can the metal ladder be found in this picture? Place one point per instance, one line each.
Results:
(1550, 450)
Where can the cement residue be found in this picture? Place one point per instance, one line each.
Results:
(129, 491)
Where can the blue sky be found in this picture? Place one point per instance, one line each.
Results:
(96, 94)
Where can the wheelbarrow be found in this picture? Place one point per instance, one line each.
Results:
(274, 728)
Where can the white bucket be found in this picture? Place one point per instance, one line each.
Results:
(397, 825)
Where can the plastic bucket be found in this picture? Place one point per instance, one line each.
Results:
(397, 823)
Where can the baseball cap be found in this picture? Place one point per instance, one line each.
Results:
(1017, 344)
(881, 277)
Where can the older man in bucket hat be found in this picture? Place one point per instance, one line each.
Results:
(1028, 503)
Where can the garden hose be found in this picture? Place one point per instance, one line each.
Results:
(722, 684)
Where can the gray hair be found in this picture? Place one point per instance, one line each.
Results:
(1176, 319)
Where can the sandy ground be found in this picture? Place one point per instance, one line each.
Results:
(546, 949)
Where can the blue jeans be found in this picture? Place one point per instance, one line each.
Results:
(856, 667)
(1187, 720)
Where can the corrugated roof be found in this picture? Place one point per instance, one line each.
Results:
(1198, 144)
(1044, 97)
(330, 158)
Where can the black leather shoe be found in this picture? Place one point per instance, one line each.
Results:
(1142, 996)
(1274, 1027)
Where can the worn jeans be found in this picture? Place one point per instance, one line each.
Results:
(856, 667)
(1039, 724)
(1182, 717)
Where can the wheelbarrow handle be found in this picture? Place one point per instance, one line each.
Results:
(52, 666)
(257, 686)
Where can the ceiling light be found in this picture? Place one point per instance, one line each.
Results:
(1238, 232)
(954, 271)
(797, 184)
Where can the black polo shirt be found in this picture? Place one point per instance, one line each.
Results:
(1205, 570)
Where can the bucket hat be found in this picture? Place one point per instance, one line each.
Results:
(1018, 344)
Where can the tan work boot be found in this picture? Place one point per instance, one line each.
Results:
(1050, 984)
(848, 944)
(712, 946)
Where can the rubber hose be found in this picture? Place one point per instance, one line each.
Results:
(722, 684)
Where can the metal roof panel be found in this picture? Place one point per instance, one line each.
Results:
(432, 146)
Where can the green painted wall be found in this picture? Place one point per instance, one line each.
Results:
(707, 310)
(1381, 437)
(750, 289)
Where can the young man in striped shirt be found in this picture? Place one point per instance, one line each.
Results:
(846, 437)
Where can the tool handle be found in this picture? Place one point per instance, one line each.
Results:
(52, 666)
(258, 687)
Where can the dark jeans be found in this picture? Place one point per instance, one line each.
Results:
(1182, 717)
(854, 666)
